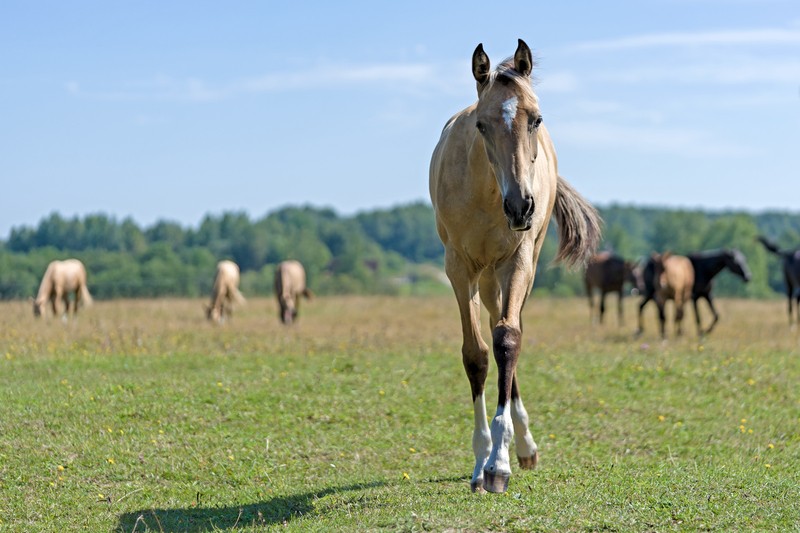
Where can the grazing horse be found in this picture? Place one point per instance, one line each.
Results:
(290, 284)
(706, 266)
(607, 273)
(61, 279)
(225, 292)
(494, 184)
(791, 273)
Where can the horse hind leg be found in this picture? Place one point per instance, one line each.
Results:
(527, 451)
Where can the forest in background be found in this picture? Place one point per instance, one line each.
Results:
(384, 251)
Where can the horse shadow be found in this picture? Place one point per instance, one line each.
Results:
(275, 511)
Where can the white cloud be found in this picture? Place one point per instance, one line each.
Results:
(400, 77)
(767, 36)
(652, 140)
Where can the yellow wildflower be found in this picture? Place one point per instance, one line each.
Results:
(406, 476)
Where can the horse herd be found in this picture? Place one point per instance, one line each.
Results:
(494, 184)
(660, 278)
(65, 281)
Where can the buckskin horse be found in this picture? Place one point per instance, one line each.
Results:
(791, 273)
(225, 292)
(706, 266)
(61, 279)
(607, 273)
(666, 277)
(290, 284)
(494, 184)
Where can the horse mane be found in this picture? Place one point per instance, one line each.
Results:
(505, 73)
(46, 286)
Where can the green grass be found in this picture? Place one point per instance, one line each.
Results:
(142, 417)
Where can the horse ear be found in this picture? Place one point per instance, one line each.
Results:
(480, 65)
(523, 60)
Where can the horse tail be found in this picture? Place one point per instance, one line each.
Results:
(769, 245)
(579, 225)
(86, 298)
(237, 296)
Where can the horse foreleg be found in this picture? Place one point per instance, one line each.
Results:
(640, 328)
(620, 318)
(714, 313)
(590, 296)
(475, 357)
(662, 317)
(679, 317)
(507, 340)
(602, 305)
(697, 316)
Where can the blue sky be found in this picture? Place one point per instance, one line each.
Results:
(172, 110)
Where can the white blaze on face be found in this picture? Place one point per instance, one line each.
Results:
(510, 111)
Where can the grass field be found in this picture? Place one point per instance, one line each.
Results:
(141, 416)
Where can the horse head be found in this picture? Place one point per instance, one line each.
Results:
(38, 307)
(737, 263)
(507, 118)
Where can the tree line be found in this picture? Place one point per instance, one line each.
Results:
(384, 251)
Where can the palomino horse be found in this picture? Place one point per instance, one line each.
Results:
(61, 279)
(791, 273)
(290, 284)
(494, 184)
(607, 272)
(706, 266)
(225, 292)
(667, 277)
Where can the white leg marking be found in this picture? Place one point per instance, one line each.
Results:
(481, 441)
(502, 432)
(526, 447)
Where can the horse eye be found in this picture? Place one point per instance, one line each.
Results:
(481, 127)
(538, 122)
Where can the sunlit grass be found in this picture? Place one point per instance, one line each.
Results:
(142, 416)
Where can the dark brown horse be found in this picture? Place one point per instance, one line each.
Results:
(706, 266)
(494, 184)
(607, 272)
(791, 273)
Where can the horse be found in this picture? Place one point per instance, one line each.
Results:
(290, 284)
(494, 185)
(707, 265)
(61, 279)
(791, 273)
(225, 292)
(666, 277)
(607, 273)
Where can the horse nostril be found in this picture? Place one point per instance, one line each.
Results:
(507, 206)
(530, 204)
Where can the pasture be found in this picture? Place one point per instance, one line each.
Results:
(141, 416)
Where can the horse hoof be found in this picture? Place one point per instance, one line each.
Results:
(528, 463)
(495, 482)
(477, 486)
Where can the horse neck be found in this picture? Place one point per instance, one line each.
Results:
(46, 287)
(711, 266)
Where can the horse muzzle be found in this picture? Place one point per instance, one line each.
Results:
(519, 214)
